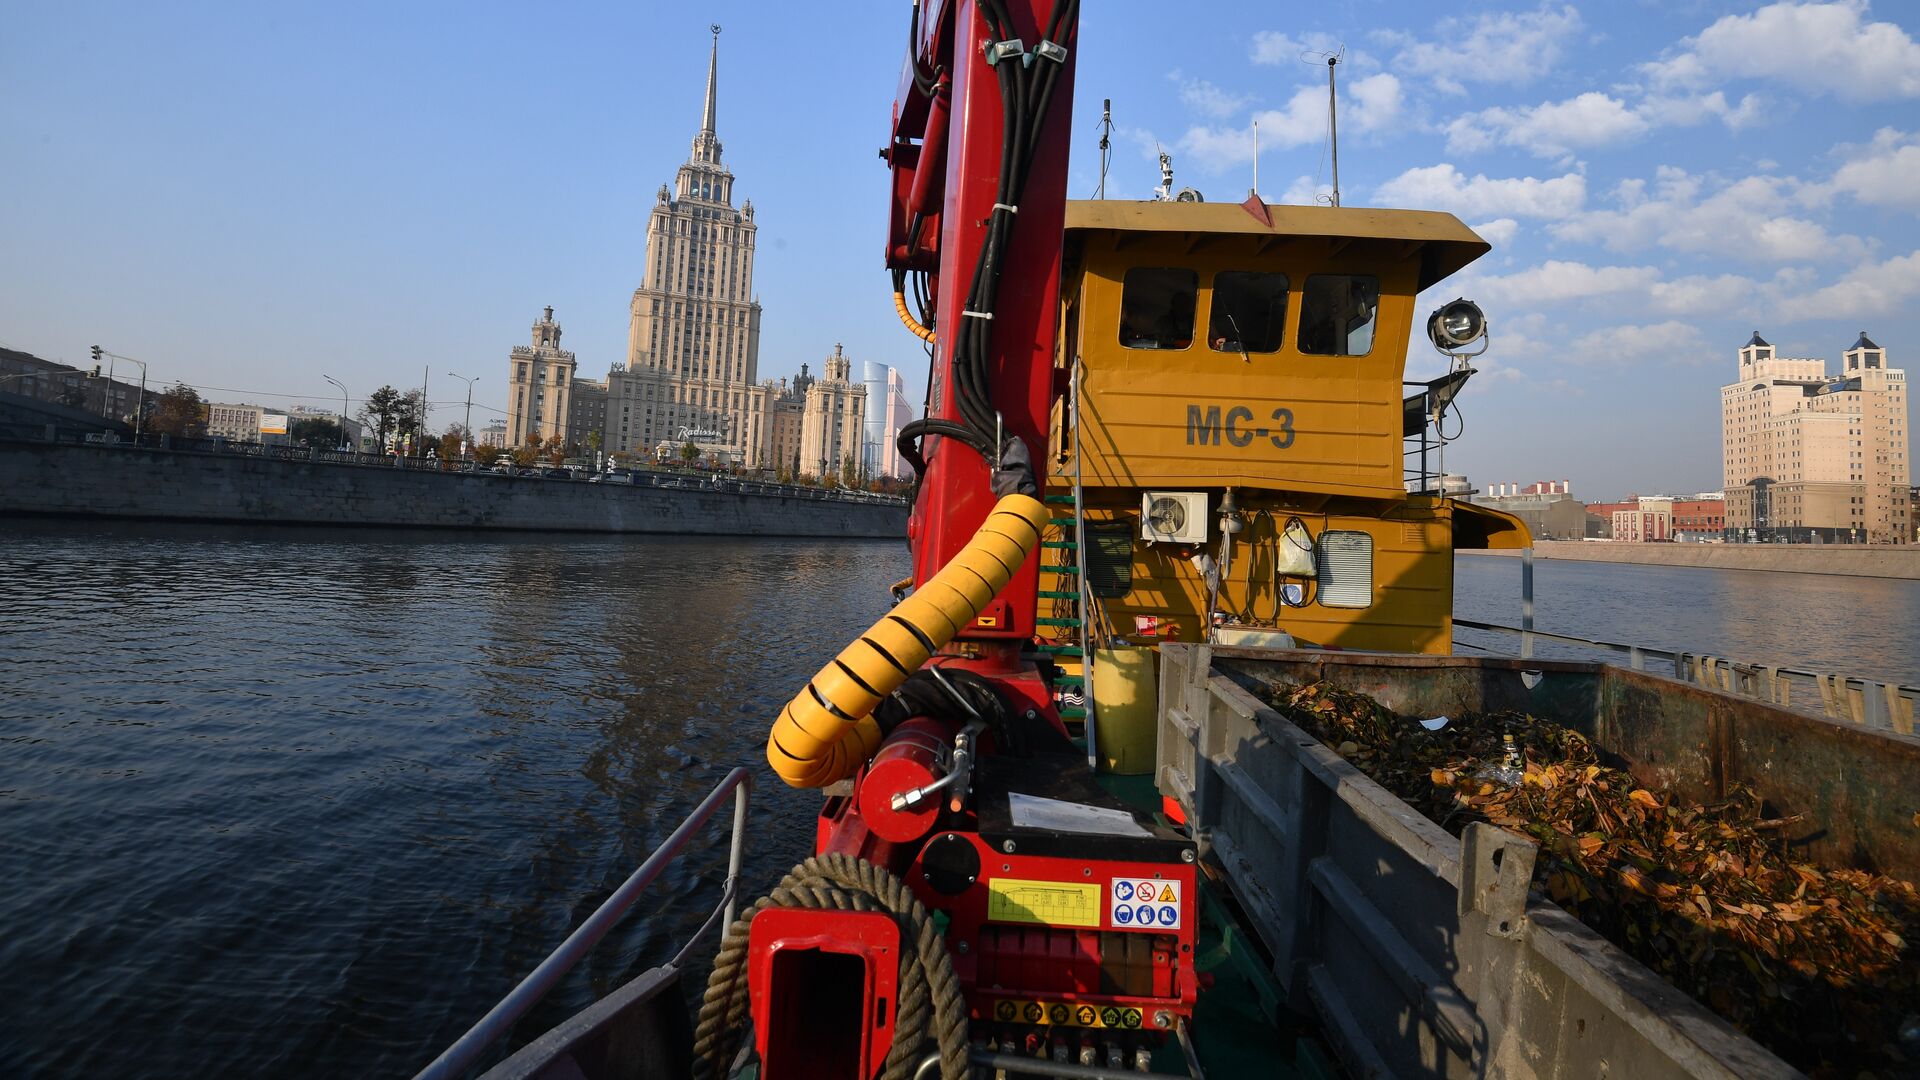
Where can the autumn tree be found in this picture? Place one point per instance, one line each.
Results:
(413, 421)
(179, 411)
(486, 455)
(529, 452)
(382, 413)
(454, 441)
(689, 453)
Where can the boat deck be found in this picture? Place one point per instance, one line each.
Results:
(1241, 1027)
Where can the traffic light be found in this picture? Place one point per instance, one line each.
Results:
(96, 356)
(95, 373)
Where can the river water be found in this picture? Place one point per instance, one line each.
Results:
(1862, 627)
(309, 802)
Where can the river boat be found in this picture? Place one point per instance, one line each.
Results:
(1170, 468)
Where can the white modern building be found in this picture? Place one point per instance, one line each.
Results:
(888, 410)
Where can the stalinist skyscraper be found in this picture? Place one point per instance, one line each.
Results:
(693, 344)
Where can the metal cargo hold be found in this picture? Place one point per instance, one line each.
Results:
(1428, 955)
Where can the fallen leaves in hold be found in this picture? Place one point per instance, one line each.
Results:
(1810, 961)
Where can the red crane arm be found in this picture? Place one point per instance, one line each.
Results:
(979, 150)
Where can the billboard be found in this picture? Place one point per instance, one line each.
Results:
(273, 423)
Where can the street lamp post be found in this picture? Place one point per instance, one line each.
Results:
(468, 426)
(106, 392)
(106, 396)
(140, 403)
(343, 409)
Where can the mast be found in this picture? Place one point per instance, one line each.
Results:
(1256, 158)
(1333, 127)
(1106, 144)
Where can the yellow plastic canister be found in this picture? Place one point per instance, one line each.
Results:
(1126, 708)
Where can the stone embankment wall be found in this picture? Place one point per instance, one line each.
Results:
(1844, 560)
(67, 480)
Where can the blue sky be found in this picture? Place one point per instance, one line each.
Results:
(249, 196)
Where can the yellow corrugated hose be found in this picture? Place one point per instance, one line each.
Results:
(913, 324)
(827, 731)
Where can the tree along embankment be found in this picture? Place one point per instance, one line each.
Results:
(1844, 560)
(94, 481)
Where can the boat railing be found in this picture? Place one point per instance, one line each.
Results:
(457, 1059)
(1866, 702)
(1419, 449)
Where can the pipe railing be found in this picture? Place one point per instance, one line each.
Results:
(1869, 703)
(458, 1058)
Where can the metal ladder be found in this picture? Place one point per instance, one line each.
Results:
(1072, 565)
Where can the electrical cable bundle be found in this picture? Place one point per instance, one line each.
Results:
(1026, 88)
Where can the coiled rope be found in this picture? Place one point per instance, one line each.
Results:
(930, 1008)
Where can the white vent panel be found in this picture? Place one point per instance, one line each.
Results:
(1344, 561)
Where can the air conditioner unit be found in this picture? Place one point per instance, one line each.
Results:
(1173, 517)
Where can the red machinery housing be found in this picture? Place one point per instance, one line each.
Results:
(1071, 921)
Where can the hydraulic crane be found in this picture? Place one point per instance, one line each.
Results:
(974, 892)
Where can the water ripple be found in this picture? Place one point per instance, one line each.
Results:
(310, 801)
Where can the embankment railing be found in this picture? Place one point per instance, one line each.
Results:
(644, 477)
(1860, 701)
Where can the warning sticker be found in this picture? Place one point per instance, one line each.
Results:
(1144, 903)
(1044, 903)
(1063, 1014)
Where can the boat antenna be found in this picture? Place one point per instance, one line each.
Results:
(1333, 127)
(1106, 144)
(1255, 193)
(1164, 192)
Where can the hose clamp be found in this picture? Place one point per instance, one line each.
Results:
(1004, 50)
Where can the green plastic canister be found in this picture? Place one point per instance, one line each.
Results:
(1126, 707)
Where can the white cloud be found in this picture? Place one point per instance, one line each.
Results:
(1504, 47)
(1444, 187)
(1498, 232)
(1204, 97)
(1593, 120)
(1884, 173)
(1558, 281)
(1746, 218)
(1553, 129)
(1373, 103)
(1687, 110)
(1871, 289)
(1274, 48)
(1376, 101)
(1660, 343)
(1819, 48)
(1700, 295)
(1306, 191)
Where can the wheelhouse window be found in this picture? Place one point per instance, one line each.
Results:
(1156, 308)
(1337, 314)
(1249, 312)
